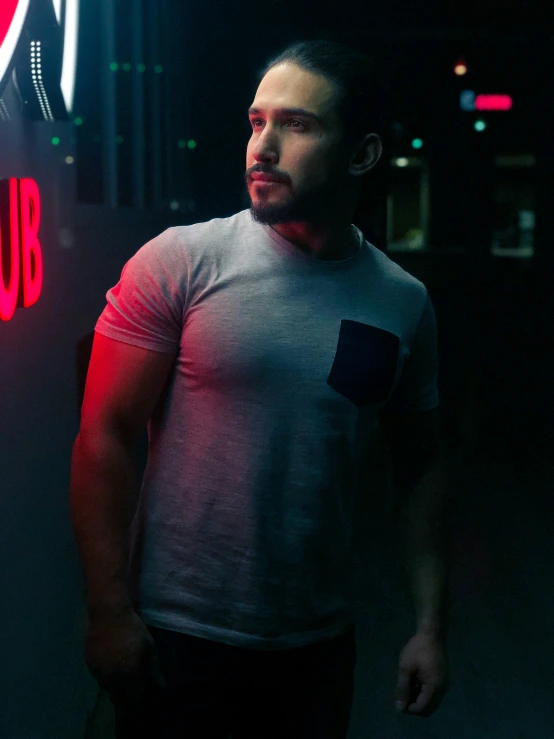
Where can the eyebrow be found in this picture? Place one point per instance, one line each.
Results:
(289, 111)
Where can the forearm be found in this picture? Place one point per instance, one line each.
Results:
(103, 493)
(422, 523)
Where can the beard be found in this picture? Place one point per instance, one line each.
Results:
(314, 206)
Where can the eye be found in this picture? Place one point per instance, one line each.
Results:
(255, 120)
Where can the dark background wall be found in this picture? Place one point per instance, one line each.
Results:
(494, 314)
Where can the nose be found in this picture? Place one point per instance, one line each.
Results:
(265, 148)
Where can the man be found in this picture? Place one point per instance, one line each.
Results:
(255, 347)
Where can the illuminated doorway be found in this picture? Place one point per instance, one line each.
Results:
(514, 206)
(408, 205)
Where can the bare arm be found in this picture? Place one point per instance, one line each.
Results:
(123, 385)
(420, 483)
(422, 524)
(103, 495)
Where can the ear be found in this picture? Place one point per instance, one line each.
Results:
(368, 154)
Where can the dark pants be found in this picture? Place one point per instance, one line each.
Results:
(215, 690)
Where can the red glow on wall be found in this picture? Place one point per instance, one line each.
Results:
(493, 102)
(20, 251)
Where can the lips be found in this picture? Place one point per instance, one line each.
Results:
(264, 177)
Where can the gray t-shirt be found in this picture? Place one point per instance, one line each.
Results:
(243, 528)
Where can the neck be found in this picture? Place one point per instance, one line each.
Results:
(325, 244)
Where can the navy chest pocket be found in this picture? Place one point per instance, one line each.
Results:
(365, 363)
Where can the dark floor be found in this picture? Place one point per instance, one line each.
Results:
(496, 396)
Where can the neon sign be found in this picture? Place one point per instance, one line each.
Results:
(20, 251)
(40, 42)
(12, 17)
(469, 100)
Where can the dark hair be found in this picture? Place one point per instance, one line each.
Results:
(362, 100)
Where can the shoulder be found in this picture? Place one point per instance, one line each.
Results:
(400, 280)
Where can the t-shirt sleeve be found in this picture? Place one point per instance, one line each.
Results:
(145, 307)
(417, 389)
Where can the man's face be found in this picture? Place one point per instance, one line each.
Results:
(305, 154)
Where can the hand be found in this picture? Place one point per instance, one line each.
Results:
(423, 677)
(121, 656)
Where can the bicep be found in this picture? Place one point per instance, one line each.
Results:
(123, 385)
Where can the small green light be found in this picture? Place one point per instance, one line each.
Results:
(479, 125)
(114, 66)
(127, 67)
(78, 121)
(158, 69)
(141, 67)
(181, 143)
(119, 139)
(417, 143)
(191, 144)
(55, 141)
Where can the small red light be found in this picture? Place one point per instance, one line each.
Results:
(493, 102)
(460, 68)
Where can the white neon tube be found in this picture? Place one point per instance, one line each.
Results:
(58, 9)
(69, 64)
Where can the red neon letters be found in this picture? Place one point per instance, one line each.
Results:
(20, 252)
